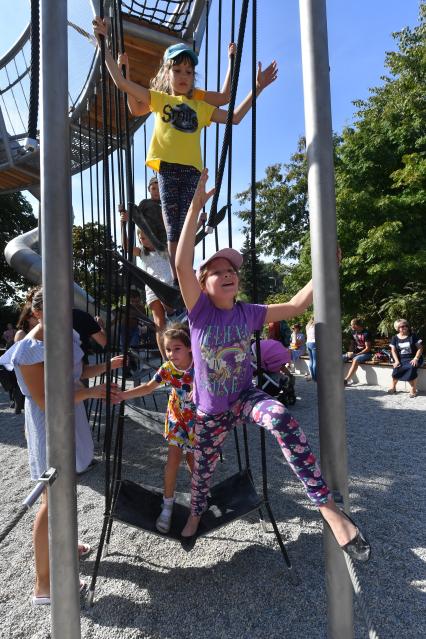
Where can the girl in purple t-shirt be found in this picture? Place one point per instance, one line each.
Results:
(220, 339)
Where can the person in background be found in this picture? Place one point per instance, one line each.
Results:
(407, 355)
(8, 335)
(88, 328)
(360, 349)
(312, 350)
(297, 344)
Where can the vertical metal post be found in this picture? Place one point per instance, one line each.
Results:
(57, 285)
(322, 207)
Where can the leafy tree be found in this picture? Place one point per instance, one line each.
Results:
(16, 218)
(282, 216)
(380, 165)
(381, 185)
(89, 259)
(270, 277)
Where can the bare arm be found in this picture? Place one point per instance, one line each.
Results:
(33, 375)
(219, 98)
(296, 306)
(136, 108)
(188, 282)
(395, 356)
(142, 390)
(124, 218)
(94, 370)
(264, 78)
(131, 88)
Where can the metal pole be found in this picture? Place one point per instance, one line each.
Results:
(57, 285)
(322, 207)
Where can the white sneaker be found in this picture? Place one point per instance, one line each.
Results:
(164, 521)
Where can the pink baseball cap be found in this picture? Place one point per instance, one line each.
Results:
(229, 254)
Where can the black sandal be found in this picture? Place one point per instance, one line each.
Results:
(357, 548)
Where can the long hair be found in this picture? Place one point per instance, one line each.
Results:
(161, 81)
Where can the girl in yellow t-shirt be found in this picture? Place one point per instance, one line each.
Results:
(180, 116)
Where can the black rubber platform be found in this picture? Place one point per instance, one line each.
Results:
(139, 505)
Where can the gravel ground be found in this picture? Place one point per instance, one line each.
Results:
(234, 584)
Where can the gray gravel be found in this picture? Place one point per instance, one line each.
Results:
(234, 584)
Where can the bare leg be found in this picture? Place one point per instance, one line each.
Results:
(191, 526)
(190, 461)
(342, 528)
(413, 385)
(41, 551)
(159, 317)
(174, 457)
(394, 382)
(172, 246)
(354, 366)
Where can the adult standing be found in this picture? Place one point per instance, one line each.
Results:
(26, 357)
(312, 350)
(360, 349)
(407, 354)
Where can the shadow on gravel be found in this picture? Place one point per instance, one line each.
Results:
(232, 598)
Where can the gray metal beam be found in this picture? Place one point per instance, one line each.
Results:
(57, 285)
(322, 210)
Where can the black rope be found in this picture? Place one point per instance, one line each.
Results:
(228, 126)
(35, 69)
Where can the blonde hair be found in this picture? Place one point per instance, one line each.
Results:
(398, 322)
(161, 81)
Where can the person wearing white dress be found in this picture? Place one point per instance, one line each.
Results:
(26, 357)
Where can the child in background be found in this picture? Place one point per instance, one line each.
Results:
(175, 151)
(178, 371)
(297, 344)
(155, 263)
(221, 329)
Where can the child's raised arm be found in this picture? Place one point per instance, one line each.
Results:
(219, 98)
(264, 78)
(188, 282)
(142, 390)
(296, 306)
(131, 88)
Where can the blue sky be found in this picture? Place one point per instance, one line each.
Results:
(359, 35)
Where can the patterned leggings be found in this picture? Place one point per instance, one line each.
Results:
(177, 184)
(256, 406)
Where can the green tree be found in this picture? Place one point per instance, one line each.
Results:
(16, 218)
(89, 259)
(282, 216)
(380, 166)
(381, 185)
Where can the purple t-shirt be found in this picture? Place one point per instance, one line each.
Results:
(220, 342)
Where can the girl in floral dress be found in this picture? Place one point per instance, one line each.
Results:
(178, 372)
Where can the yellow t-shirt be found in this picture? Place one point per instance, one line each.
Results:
(178, 125)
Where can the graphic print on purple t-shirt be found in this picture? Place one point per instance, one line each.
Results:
(220, 342)
(225, 349)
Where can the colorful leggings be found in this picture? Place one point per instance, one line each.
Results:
(256, 406)
(177, 184)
